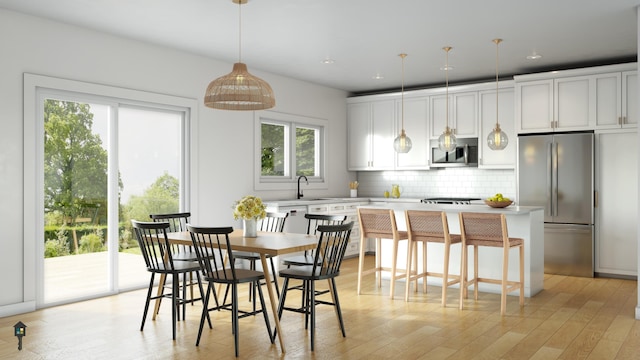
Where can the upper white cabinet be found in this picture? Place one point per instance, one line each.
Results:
(497, 159)
(582, 99)
(616, 95)
(416, 125)
(616, 211)
(371, 130)
(463, 114)
(553, 105)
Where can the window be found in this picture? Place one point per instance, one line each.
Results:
(290, 146)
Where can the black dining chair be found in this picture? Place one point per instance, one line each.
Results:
(158, 256)
(273, 222)
(329, 254)
(177, 223)
(208, 240)
(313, 221)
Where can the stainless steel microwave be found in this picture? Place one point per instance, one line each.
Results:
(465, 154)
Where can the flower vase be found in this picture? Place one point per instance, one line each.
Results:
(250, 228)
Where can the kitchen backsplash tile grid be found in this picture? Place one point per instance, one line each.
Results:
(462, 182)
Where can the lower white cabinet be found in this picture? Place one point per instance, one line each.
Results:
(616, 212)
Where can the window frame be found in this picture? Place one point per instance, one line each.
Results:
(292, 122)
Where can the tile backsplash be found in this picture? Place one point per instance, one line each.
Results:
(456, 182)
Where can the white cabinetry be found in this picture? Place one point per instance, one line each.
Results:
(602, 97)
(497, 159)
(370, 128)
(616, 212)
(463, 114)
(616, 96)
(416, 125)
(554, 105)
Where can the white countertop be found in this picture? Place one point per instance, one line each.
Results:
(509, 210)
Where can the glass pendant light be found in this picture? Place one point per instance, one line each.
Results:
(239, 90)
(402, 144)
(497, 139)
(447, 141)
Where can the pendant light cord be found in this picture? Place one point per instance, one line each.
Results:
(240, 31)
(497, 41)
(446, 76)
(402, 90)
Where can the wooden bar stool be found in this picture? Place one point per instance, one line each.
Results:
(429, 227)
(482, 229)
(379, 224)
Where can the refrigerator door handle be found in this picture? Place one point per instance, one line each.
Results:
(549, 209)
(554, 179)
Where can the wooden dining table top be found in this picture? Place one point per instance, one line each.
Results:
(269, 243)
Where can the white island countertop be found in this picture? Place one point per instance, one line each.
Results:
(509, 210)
(524, 222)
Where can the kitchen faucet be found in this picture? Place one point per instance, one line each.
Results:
(299, 191)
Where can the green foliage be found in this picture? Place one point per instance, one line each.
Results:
(160, 198)
(75, 163)
(305, 151)
(272, 143)
(91, 243)
(58, 246)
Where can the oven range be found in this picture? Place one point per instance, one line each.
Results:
(448, 200)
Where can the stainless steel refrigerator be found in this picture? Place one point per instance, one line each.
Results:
(555, 171)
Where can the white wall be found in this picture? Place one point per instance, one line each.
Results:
(224, 140)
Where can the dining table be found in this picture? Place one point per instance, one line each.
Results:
(265, 244)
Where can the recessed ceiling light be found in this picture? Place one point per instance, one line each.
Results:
(446, 67)
(534, 56)
(328, 61)
(377, 76)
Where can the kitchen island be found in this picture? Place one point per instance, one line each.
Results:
(524, 222)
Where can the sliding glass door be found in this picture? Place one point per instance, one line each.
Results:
(105, 163)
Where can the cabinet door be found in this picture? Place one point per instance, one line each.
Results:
(438, 115)
(571, 103)
(466, 114)
(630, 99)
(497, 159)
(358, 133)
(616, 215)
(382, 134)
(534, 106)
(416, 125)
(608, 100)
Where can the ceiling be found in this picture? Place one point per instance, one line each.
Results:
(364, 37)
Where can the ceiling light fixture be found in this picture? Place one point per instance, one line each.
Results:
(534, 56)
(328, 61)
(497, 139)
(402, 144)
(447, 140)
(239, 90)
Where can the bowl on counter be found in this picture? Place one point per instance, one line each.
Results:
(498, 204)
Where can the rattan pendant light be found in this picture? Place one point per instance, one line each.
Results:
(447, 141)
(497, 139)
(402, 144)
(239, 90)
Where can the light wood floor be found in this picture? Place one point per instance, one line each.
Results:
(573, 318)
